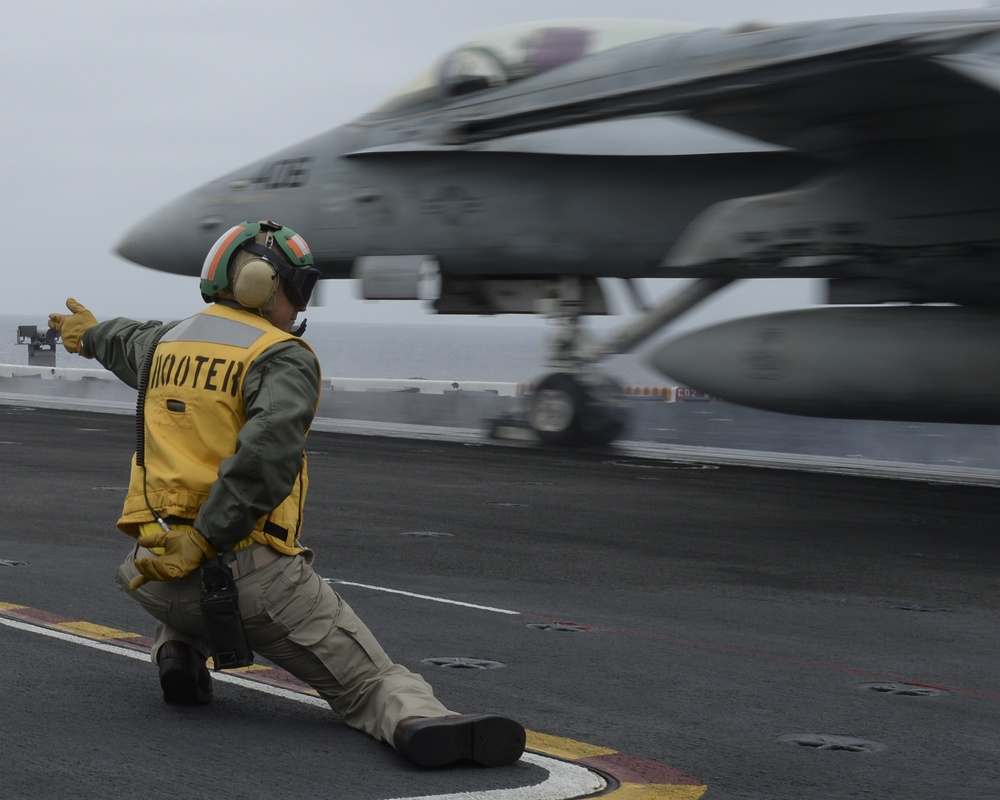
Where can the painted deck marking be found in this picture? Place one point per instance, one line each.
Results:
(430, 597)
(681, 642)
(575, 769)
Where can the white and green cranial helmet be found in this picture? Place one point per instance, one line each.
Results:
(285, 251)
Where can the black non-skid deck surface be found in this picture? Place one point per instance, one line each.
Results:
(770, 634)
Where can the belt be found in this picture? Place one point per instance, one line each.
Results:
(269, 527)
(243, 562)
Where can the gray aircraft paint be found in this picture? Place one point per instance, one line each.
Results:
(858, 151)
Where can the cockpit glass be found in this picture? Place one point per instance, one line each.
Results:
(513, 53)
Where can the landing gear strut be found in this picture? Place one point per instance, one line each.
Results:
(579, 405)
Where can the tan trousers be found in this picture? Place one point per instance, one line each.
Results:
(293, 618)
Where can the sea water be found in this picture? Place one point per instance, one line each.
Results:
(477, 351)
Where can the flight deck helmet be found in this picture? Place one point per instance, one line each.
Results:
(246, 261)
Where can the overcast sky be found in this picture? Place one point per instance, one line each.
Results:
(114, 107)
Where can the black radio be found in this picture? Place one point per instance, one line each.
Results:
(220, 608)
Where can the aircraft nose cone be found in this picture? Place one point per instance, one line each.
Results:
(169, 240)
(142, 245)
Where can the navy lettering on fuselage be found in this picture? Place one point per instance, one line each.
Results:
(197, 372)
(289, 173)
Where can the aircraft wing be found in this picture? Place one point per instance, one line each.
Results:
(815, 86)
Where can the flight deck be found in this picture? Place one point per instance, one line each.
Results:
(673, 627)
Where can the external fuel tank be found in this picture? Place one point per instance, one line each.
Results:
(915, 363)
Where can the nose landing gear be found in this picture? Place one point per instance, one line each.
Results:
(579, 405)
(581, 409)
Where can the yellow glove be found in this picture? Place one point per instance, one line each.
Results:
(184, 550)
(72, 326)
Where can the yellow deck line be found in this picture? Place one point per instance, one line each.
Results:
(93, 631)
(542, 743)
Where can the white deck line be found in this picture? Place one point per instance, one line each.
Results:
(564, 782)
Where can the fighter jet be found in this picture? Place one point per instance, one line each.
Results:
(858, 151)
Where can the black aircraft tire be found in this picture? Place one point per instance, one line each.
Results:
(606, 415)
(556, 408)
(567, 411)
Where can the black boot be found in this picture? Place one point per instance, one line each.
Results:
(436, 741)
(184, 677)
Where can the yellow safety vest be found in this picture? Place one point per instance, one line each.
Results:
(194, 412)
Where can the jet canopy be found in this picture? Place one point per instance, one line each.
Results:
(515, 52)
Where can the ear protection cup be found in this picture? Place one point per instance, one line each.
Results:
(255, 283)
